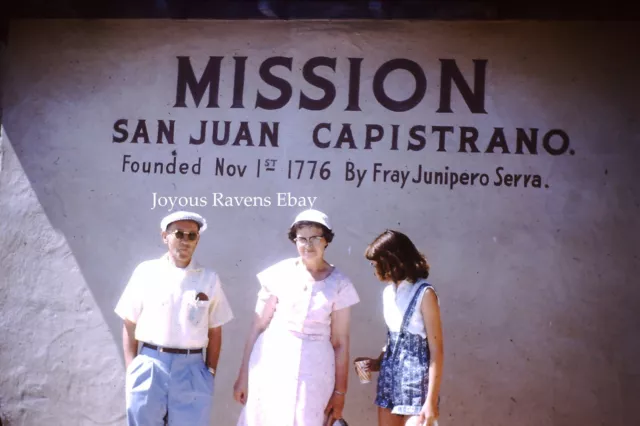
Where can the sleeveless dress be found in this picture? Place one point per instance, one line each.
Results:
(404, 370)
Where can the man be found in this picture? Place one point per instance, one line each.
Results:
(175, 307)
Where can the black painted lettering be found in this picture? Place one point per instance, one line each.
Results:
(308, 73)
(497, 141)
(120, 127)
(441, 137)
(238, 81)
(508, 179)
(171, 166)
(399, 64)
(203, 132)
(125, 161)
(417, 133)
(355, 65)
(450, 73)
(564, 142)
(244, 134)
(316, 131)
(277, 82)
(215, 136)
(210, 79)
(166, 133)
(530, 141)
(500, 179)
(468, 136)
(370, 137)
(453, 181)
(377, 169)
(219, 169)
(269, 132)
(345, 136)
(394, 137)
(141, 132)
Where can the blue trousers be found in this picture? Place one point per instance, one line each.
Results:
(178, 387)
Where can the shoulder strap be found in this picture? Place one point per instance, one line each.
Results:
(412, 306)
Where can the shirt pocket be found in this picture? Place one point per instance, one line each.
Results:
(195, 312)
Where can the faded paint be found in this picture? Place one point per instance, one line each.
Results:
(538, 286)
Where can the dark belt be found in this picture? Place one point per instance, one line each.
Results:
(172, 350)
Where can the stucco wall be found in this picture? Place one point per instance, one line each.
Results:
(538, 286)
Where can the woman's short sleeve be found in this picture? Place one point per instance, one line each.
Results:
(269, 280)
(347, 294)
(264, 293)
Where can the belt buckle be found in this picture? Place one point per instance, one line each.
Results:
(160, 349)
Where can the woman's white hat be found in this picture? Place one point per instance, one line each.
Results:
(312, 215)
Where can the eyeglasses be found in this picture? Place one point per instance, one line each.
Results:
(311, 240)
(191, 236)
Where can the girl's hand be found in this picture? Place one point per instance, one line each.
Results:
(372, 364)
(428, 415)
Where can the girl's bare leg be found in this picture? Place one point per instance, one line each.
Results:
(385, 418)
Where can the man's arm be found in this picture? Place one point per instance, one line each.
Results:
(129, 342)
(213, 348)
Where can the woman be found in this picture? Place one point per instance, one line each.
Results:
(296, 360)
(410, 366)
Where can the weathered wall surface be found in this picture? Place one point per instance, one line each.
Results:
(538, 283)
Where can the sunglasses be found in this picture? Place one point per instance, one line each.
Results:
(191, 236)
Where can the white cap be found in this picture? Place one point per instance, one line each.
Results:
(182, 215)
(313, 216)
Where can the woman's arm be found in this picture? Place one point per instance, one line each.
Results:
(259, 325)
(433, 325)
(340, 324)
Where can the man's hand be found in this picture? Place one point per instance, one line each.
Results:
(129, 342)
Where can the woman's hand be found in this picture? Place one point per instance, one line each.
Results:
(241, 388)
(428, 415)
(372, 364)
(334, 408)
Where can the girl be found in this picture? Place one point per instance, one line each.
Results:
(410, 366)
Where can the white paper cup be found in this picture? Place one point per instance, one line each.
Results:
(364, 374)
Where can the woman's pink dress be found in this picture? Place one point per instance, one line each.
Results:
(292, 366)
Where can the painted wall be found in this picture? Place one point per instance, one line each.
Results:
(537, 274)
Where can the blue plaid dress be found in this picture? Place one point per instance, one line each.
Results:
(404, 370)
